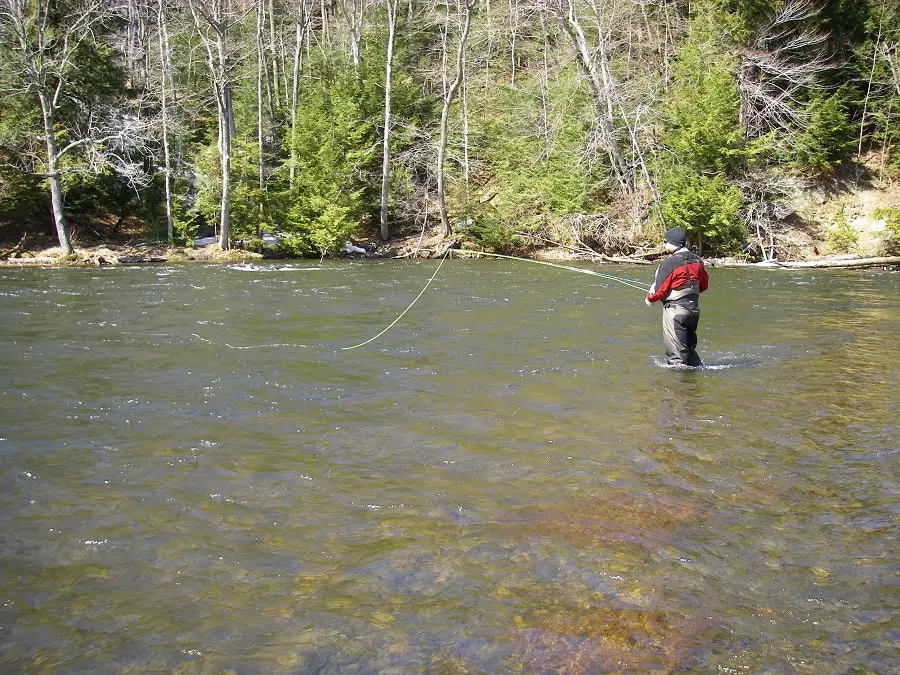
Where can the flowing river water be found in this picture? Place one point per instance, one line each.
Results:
(506, 481)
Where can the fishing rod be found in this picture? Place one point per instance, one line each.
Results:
(633, 283)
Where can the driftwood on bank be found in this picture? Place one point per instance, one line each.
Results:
(587, 251)
(18, 248)
(841, 263)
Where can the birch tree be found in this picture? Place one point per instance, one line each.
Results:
(785, 57)
(386, 145)
(260, 132)
(301, 30)
(165, 71)
(464, 19)
(46, 39)
(354, 14)
(213, 21)
(593, 62)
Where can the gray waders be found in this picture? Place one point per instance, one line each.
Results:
(680, 334)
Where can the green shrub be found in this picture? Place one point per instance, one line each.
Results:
(891, 242)
(706, 207)
(828, 139)
(842, 237)
(702, 113)
(701, 132)
(493, 234)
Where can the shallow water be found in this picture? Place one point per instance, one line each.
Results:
(506, 481)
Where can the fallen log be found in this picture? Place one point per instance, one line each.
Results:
(18, 248)
(838, 264)
(132, 259)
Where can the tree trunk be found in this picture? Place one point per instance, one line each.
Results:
(597, 80)
(260, 75)
(513, 35)
(386, 148)
(163, 62)
(295, 89)
(216, 20)
(226, 129)
(845, 263)
(544, 77)
(354, 24)
(464, 100)
(225, 145)
(445, 117)
(273, 48)
(53, 175)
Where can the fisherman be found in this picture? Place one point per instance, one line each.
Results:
(680, 280)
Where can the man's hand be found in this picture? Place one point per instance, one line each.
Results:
(647, 301)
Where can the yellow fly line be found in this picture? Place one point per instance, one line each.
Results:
(622, 280)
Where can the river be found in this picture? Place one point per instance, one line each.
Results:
(505, 481)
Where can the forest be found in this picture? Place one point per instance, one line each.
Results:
(313, 122)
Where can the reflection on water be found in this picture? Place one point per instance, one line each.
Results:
(504, 482)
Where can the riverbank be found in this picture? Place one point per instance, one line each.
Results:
(797, 247)
(104, 255)
(107, 254)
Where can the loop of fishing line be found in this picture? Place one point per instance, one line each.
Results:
(392, 323)
(633, 283)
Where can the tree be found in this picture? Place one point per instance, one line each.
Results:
(260, 137)
(165, 70)
(48, 43)
(386, 144)
(784, 58)
(827, 139)
(464, 20)
(703, 146)
(301, 26)
(594, 64)
(213, 22)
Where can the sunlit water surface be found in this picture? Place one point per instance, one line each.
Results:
(506, 481)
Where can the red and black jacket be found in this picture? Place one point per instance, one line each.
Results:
(680, 277)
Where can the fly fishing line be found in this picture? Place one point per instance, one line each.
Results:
(633, 283)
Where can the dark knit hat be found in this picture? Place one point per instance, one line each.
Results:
(676, 236)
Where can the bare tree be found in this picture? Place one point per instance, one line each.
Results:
(886, 49)
(302, 20)
(593, 62)
(165, 79)
(260, 130)
(544, 79)
(786, 56)
(46, 38)
(386, 146)
(213, 21)
(464, 19)
(513, 37)
(138, 19)
(275, 53)
(354, 13)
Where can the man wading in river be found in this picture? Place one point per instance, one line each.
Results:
(679, 282)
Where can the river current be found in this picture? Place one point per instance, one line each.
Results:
(195, 477)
